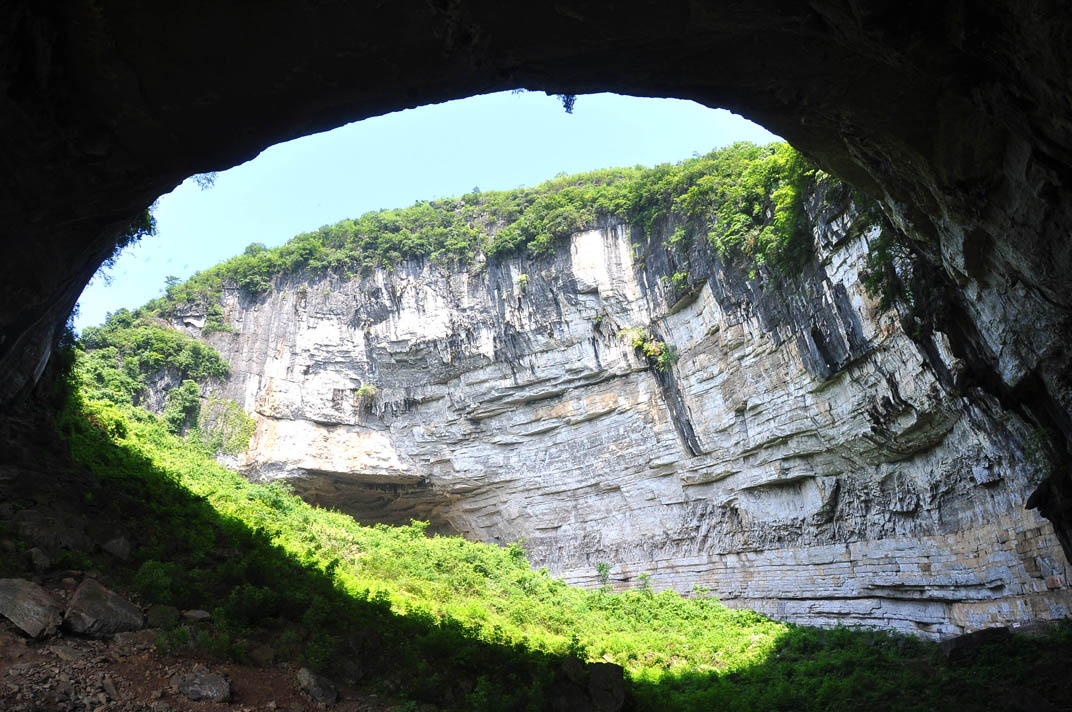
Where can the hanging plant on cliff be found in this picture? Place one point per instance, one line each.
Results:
(658, 354)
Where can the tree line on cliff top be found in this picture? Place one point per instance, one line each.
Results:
(747, 200)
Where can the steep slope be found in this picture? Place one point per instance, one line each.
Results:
(798, 452)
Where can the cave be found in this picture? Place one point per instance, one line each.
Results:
(957, 118)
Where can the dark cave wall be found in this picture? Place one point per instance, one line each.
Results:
(957, 115)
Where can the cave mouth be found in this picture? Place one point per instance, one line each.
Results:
(937, 113)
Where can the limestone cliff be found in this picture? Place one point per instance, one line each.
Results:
(801, 457)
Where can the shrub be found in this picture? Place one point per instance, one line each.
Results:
(658, 354)
(182, 406)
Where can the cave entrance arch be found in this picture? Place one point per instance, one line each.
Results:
(955, 117)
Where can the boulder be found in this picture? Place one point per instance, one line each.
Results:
(29, 607)
(39, 560)
(95, 611)
(50, 531)
(202, 685)
(118, 547)
(317, 686)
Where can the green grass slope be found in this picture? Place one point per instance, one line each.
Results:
(466, 625)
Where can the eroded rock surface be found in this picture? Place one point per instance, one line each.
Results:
(97, 612)
(803, 456)
(29, 607)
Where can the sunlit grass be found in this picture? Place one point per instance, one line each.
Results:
(490, 588)
(444, 610)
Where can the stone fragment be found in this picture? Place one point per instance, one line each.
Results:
(319, 687)
(201, 684)
(29, 607)
(66, 653)
(20, 670)
(196, 615)
(51, 532)
(98, 612)
(39, 560)
(118, 547)
(130, 642)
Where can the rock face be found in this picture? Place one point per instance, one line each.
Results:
(29, 607)
(802, 456)
(97, 612)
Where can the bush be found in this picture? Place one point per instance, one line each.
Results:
(182, 407)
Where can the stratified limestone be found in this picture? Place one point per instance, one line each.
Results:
(801, 457)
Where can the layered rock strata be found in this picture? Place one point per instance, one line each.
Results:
(801, 457)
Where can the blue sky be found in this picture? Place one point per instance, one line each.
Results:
(494, 142)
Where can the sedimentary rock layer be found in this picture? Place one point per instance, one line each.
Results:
(801, 457)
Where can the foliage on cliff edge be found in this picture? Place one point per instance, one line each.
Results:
(747, 200)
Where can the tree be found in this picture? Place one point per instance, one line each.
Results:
(182, 406)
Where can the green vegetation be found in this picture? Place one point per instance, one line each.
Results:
(182, 407)
(747, 200)
(142, 347)
(887, 259)
(364, 396)
(223, 427)
(471, 626)
(117, 360)
(458, 624)
(658, 354)
(142, 225)
(603, 573)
